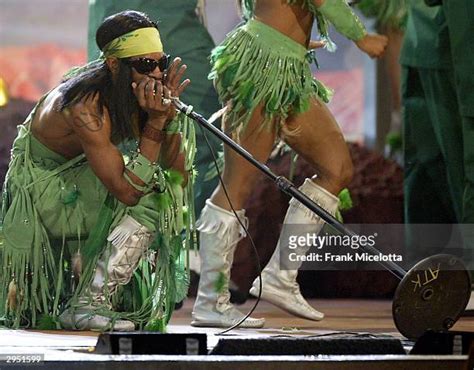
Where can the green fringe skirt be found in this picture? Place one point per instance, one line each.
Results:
(256, 64)
(54, 209)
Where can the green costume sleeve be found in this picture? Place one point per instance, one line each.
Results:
(343, 18)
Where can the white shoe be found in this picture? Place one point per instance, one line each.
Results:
(225, 318)
(280, 286)
(83, 319)
(470, 304)
(287, 297)
(219, 234)
(128, 243)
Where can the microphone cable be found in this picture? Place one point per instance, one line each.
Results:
(187, 109)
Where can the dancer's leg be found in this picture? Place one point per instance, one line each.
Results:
(220, 231)
(316, 137)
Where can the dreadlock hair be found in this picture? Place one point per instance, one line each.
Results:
(95, 78)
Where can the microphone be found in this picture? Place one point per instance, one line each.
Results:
(179, 105)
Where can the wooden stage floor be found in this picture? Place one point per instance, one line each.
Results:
(342, 316)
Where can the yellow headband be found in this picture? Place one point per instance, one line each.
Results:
(138, 42)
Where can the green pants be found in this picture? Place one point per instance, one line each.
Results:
(184, 36)
(468, 193)
(433, 158)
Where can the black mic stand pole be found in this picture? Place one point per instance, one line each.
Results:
(284, 184)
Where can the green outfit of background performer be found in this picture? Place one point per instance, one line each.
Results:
(432, 129)
(459, 15)
(63, 209)
(387, 13)
(184, 36)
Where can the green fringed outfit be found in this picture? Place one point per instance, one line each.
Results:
(56, 212)
(257, 64)
(280, 74)
(184, 36)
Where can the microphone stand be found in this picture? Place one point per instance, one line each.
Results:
(284, 184)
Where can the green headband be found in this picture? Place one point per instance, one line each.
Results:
(138, 42)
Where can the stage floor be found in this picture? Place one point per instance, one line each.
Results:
(342, 316)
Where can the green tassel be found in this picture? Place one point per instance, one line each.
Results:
(47, 322)
(71, 197)
(245, 94)
(217, 53)
(2, 239)
(273, 105)
(345, 200)
(96, 240)
(163, 201)
(182, 280)
(345, 203)
(290, 96)
(302, 104)
(174, 177)
(221, 63)
(220, 283)
(394, 141)
(324, 92)
(156, 325)
(228, 75)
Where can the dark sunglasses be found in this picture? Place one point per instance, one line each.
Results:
(147, 65)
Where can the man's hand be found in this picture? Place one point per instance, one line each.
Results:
(172, 80)
(155, 99)
(373, 44)
(173, 77)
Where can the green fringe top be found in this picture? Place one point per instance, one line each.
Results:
(280, 76)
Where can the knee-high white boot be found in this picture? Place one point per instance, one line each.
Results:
(129, 242)
(219, 234)
(280, 286)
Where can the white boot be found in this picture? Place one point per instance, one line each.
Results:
(470, 304)
(129, 242)
(280, 286)
(219, 234)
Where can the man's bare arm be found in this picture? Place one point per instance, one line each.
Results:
(93, 131)
(171, 157)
